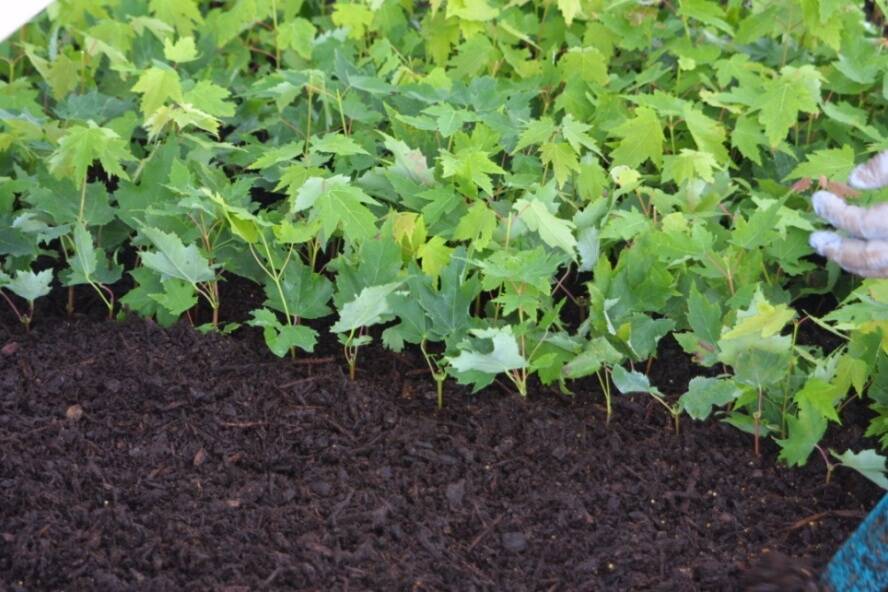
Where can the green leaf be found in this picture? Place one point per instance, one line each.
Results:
(354, 17)
(562, 158)
(868, 463)
(641, 139)
(447, 119)
(472, 165)
(338, 144)
(181, 51)
(281, 338)
(689, 165)
(177, 296)
(746, 137)
(273, 156)
(30, 285)
(761, 319)
(570, 9)
(307, 293)
(632, 381)
(587, 63)
(448, 307)
(157, 86)
(833, 163)
(805, 431)
(503, 357)
(81, 145)
(704, 393)
(173, 259)
(210, 98)
(537, 131)
(575, 133)
(182, 14)
(704, 316)
(708, 134)
(297, 34)
(409, 163)
(370, 307)
(795, 90)
(555, 232)
(598, 353)
(435, 256)
(822, 396)
(342, 206)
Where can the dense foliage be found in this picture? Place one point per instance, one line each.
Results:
(533, 188)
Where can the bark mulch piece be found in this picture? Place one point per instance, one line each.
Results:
(138, 458)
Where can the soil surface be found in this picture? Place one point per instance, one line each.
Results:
(139, 458)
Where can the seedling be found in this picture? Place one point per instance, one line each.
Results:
(28, 285)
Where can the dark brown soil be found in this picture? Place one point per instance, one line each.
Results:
(136, 458)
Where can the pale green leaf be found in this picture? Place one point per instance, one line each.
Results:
(370, 307)
(505, 355)
(173, 259)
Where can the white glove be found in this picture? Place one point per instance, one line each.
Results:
(865, 251)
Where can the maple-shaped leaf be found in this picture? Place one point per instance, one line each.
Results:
(555, 232)
(83, 262)
(537, 131)
(575, 132)
(354, 17)
(708, 134)
(795, 90)
(176, 296)
(181, 51)
(279, 337)
(210, 98)
(297, 34)
(435, 256)
(477, 225)
(182, 14)
(472, 10)
(173, 259)
(562, 158)
(747, 136)
(704, 393)
(687, 165)
(448, 307)
(338, 144)
(448, 120)
(27, 284)
(570, 9)
(598, 352)
(157, 85)
(761, 319)
(342, 206)
(804, 430)
(370, 307)
(587, 63)
(182, 116)
(409, 162)
(504, 356)
(868, 463)
(833, 163)
(641, 139)
(81, 145)
(471, 165)
(272, 156)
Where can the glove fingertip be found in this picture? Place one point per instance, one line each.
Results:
(872, 174)
(823, 241)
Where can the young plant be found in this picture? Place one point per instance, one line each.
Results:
(27, 285)
(371, 307)
(183, 269)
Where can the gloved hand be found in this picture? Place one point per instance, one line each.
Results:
(865, 250)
